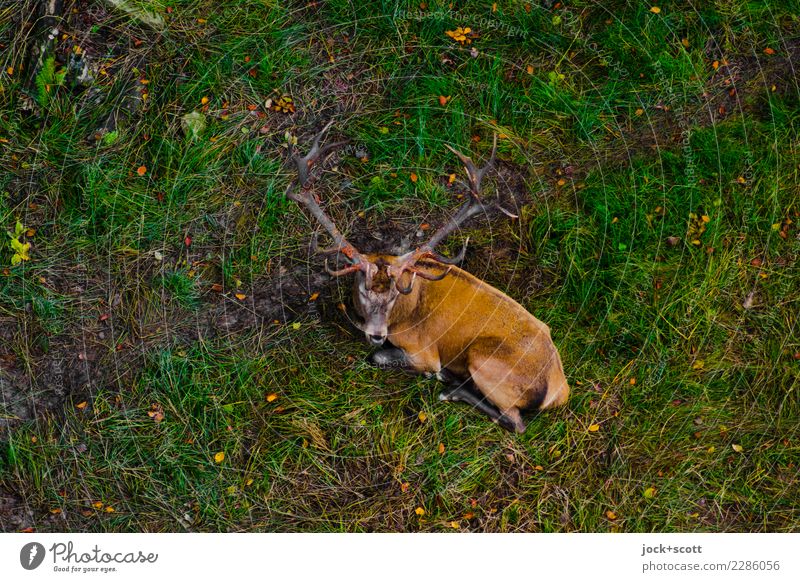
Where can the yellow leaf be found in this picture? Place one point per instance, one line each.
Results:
(455, 525)
(219, 457)
(241, 296)
(419, 511)
(422, 417)
(81, 405)
(314, 297)
(650, 492)
(272, 397)
(297, 325)
(204, 100)
(97, 505)
(611, 515)
(737, 448)
(685, 42)
(639, 111)
(404, 486)
(110, 509)
(594, 427)
(655, 10)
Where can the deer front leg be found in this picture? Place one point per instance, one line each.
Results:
(390, 358)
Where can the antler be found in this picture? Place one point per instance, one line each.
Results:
(305, 197)
(472, 206)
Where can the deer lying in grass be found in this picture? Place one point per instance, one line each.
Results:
(441, 320)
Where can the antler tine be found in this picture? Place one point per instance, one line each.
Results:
(474, 173)
(306, 197)
(316, 152)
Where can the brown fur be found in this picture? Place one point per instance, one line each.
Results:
(467, 326)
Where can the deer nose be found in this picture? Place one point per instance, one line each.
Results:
(377, 339)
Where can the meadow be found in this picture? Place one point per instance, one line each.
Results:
(174, 358)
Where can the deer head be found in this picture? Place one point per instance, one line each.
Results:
(381, 279)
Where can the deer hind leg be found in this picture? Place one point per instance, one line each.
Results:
(500, 387)
(461, 393)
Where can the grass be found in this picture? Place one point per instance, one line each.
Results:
(168, 315)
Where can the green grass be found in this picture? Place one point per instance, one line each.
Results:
(659, 196)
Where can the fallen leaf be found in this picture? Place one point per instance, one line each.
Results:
(650, 492)
(441, 448)
(141, 170)
(272, 397)
(219, 457)
(769, 51)
(443, 100)
(594, 427)
(419, 511)
(639, 111)
(97, 505)
(81, 405)
(314, 296)
(655, 9)
(110, 509)
(241, 296)
(611, 515)
(404, 486)
(422, 417)
(413, 177)
(737, 448)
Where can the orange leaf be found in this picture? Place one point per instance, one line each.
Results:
(141, 170)
(769, 51)
(655, 10)
(414, 178)
(443, 100)
(81, 405)
(441, 448)
(419, 511)
(272, 397)
(241, 296)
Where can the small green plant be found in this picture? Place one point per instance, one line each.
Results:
(46, 79)
(20, 249)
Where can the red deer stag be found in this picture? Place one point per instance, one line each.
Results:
(439, 319)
